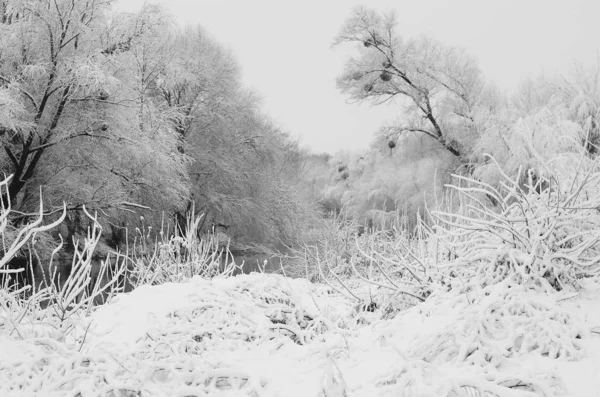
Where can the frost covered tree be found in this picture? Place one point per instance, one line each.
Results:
(547, 121)
(383, 190)
(439, 87)
(243, 169)
(580, 94)
(71, 114)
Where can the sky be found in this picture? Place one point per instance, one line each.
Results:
(284, 49)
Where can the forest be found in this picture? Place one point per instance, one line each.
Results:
(133, 157)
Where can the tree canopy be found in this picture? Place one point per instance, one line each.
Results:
(129, 114)
(437, 87)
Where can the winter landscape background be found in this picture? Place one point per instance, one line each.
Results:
(164, 234)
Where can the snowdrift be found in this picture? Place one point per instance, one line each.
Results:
(267, 335)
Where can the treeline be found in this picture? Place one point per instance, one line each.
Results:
(146, 123)
(450, 120)
(132, 116)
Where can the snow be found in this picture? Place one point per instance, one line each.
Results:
(268, 335)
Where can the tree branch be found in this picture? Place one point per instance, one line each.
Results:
(50, 144)
(419, 130)
(11, 156)
(77, 207)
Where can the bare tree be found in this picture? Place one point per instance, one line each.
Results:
(438, 86)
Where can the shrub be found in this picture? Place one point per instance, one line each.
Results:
(544, 234)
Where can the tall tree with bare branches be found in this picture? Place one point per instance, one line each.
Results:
(438, 87)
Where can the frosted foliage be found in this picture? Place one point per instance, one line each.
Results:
(500, 324)
(78, 74)
(12, 112)
(477, 343)
(507, 267)
(254, 314)
(546, 142)
(242, 167)
(579, 93)
(544, 237)
(378, 186)
(386, 186)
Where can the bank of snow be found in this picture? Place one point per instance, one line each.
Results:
(267, 335)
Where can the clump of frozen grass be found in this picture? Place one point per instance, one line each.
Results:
(332, 243)
(78, 294)
(24, 235)
(18, 303)
(22, 306)
(179, 257)
(355, 262)
(502, 324)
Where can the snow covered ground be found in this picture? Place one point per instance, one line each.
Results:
(267, 335)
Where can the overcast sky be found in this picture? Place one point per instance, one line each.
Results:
(284, 48)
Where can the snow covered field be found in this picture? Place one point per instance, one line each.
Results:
(267, 335)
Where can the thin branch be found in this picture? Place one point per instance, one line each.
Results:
(420, 130)
(77, 207)
(49, 144)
